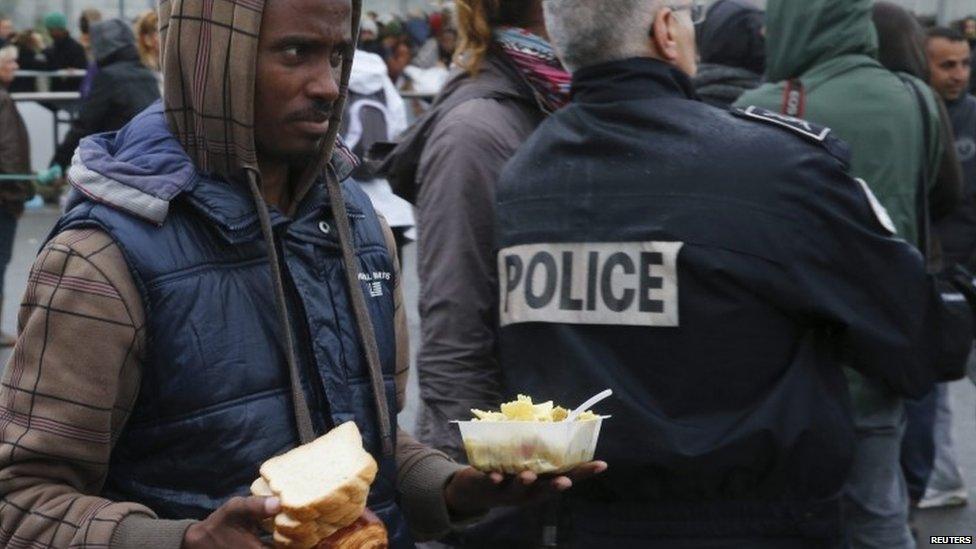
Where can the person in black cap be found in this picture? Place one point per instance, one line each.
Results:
(733, 54)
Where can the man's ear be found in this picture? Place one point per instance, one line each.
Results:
(662, 40)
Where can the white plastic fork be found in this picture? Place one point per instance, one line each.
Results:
(588, 404)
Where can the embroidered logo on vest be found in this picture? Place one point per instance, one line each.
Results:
(966, 149)
(374, 282)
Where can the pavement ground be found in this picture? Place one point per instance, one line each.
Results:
(35, 225)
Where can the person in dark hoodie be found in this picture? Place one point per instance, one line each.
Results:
(217, 293)
(121, 89)
(733, 52)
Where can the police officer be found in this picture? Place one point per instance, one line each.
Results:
(716, 270)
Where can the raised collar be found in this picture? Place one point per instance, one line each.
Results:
(230, 207)
(629, 79)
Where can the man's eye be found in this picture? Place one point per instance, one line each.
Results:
(292, 53)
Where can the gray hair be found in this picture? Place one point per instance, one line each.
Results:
(588, 32)
(8, 53)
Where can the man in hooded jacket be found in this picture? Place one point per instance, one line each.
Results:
(214, 296)
(822, 66)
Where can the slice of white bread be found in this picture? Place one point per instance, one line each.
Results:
(322, 486)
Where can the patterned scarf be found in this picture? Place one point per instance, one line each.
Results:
(536, 60)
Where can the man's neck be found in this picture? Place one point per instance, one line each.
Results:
(275, 184)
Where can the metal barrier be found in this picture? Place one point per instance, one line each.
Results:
(67, 102)
(56, 102)
(43, 78)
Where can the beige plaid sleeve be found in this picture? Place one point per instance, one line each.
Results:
(66, 393)
(422, 472)
(399, 320)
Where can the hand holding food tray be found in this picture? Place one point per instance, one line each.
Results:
(523, 436)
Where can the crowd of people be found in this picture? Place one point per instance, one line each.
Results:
(757, 227)
(117, 76)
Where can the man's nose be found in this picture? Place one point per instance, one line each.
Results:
(324, 86)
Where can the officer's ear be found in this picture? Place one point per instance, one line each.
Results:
(672, 39)
(663, 36)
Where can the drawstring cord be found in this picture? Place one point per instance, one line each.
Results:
(303, 417)
(349, 260)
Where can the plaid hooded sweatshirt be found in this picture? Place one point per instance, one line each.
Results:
(75, 373)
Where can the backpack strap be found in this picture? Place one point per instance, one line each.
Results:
(923, 219)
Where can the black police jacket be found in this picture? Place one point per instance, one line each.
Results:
(716, 270)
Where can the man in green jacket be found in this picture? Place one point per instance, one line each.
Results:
(822, 66)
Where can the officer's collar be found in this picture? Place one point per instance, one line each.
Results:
(627, 79)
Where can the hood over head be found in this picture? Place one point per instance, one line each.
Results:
(110, 37)
(208, 52)
(732, 35)
(801, 34)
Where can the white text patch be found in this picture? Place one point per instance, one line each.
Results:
(612, 283)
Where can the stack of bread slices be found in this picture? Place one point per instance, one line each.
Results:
(322, 486)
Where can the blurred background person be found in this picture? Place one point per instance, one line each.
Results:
(438, 49)
(417, 28)
(950, 60)
(375, 112)
(950, 64)
(391, 32)
(733, 52)
(821, 62)
(64, 52)
(968, 29)
(147, 42)
(507, 81)
(901, 41)
(369, 38)
(14, 159)
(122, 88)
(399, 56)
(30, 57)
(88, 18)
(7, 30)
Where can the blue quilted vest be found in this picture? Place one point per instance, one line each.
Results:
(215, 400)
